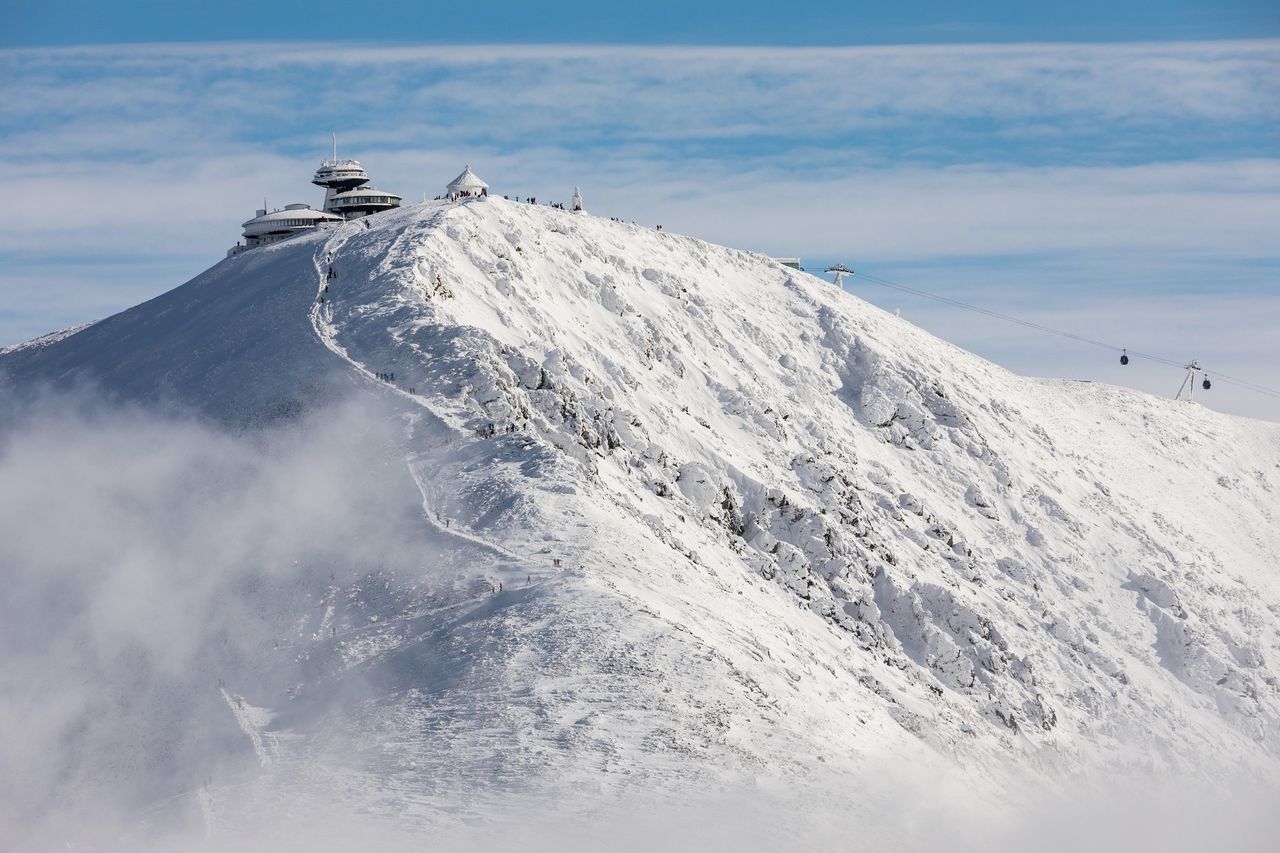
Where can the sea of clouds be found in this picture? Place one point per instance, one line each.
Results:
(147, 558)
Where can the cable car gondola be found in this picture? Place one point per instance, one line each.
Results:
(1124, 357)
(1206, 384)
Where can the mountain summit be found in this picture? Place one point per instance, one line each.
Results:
(706, 518)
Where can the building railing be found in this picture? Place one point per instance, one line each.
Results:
(360, 201)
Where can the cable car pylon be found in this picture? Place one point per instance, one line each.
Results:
(1125, 356)
(841, 271)
(1189, 382)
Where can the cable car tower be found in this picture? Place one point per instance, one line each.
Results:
(1189, 382)
(841, 271)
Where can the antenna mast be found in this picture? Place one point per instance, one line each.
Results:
(335, 146)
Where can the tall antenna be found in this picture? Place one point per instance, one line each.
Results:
(335, 146)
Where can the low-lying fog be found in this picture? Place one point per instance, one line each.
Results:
(148, 559)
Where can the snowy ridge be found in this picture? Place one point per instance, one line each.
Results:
(45, 340)
(1009, 545)
(254, 723)
(713, 519)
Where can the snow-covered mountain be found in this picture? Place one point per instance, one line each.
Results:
(703, 520)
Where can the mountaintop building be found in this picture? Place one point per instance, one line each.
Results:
(293, 219)
(347, 196)
(346, 191)
(465, 185)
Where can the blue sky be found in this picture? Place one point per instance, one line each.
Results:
(793, 23)
(1111, 168)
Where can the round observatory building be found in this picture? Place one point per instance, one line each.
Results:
(347, 193)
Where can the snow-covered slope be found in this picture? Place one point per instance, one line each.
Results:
(744, 524)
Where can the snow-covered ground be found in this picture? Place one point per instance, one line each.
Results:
(706, 523)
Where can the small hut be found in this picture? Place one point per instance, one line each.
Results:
(466, 185)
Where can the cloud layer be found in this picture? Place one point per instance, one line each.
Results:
(1139, 166)
(147, 559)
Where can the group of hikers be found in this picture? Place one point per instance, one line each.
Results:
(633, 222)
(558, 205)
(490, 430)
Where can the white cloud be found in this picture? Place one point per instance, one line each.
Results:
(1222, 210)
(1109, 157)
(650, 92)
(145, 557)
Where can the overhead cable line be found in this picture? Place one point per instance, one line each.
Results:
(1039, 327)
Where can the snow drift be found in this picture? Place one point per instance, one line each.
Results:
(689, 518)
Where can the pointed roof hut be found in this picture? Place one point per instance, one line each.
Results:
(468, 183)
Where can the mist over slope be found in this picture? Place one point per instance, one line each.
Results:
(669, 516)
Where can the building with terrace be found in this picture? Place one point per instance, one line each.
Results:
(347, 196)
(347, 193)
(293, 219)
